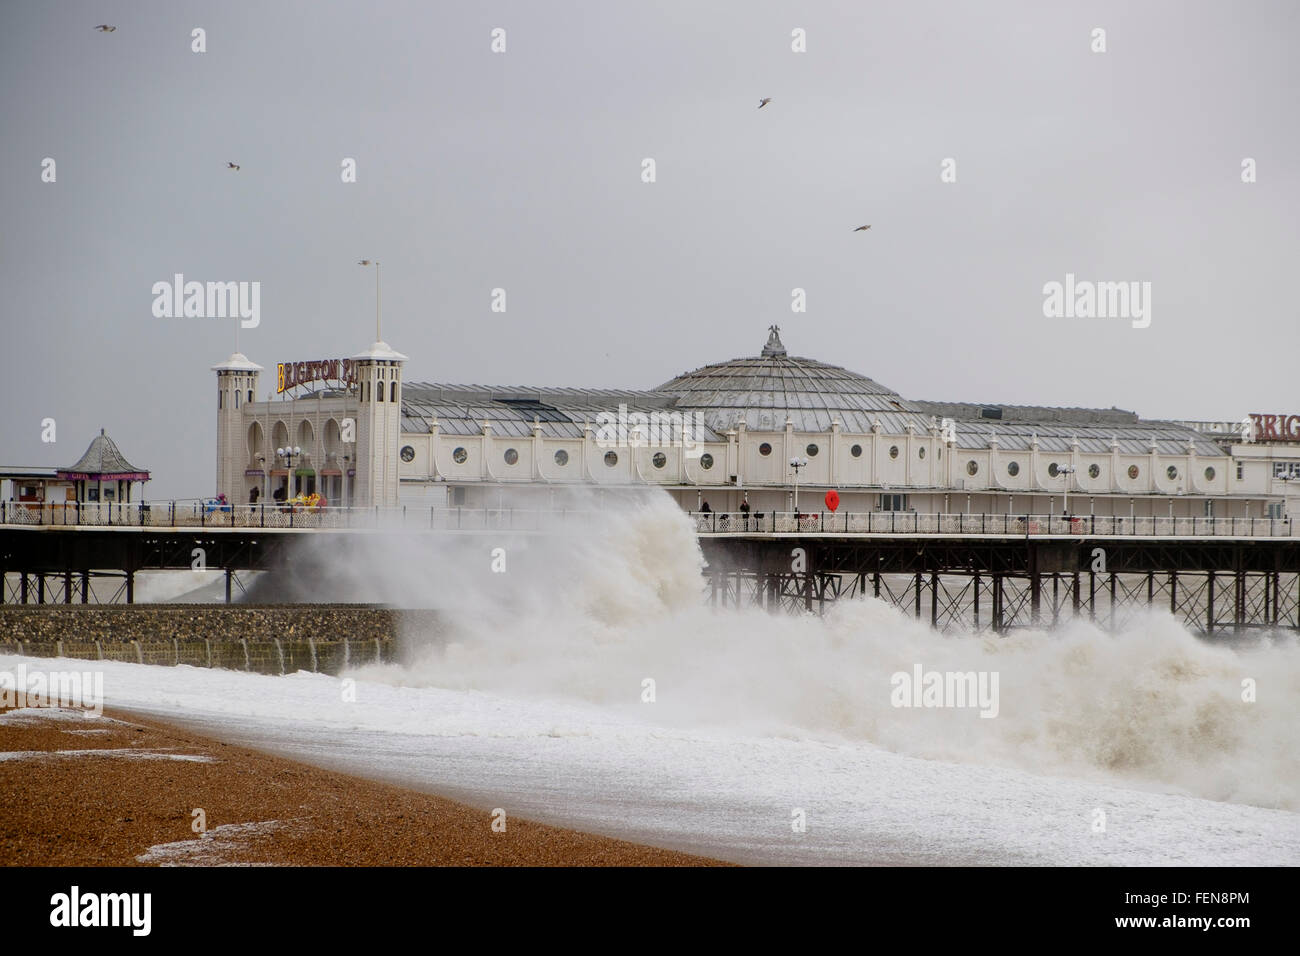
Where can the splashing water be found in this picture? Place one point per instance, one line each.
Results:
(589, 618)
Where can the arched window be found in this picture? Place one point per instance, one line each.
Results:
(392, 396)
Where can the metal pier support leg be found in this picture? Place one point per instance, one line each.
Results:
(1035, 596)
(85, 587)
(977, 601)
(918, 595)
(23, 587)
(1114, 615)
(1239, 601)
(130, 586)
(1076, 594)
(875, 584)
(229, 573)
(67, 587)
(1173, 593)
(997, 603)
(1209, 610)
(1276, 595)
(1092, 596)
(40, 588)
(934, 600)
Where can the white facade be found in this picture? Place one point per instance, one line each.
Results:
(447, 446)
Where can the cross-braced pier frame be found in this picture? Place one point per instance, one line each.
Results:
(975, 584)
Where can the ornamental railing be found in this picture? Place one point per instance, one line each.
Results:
(999, 525)
(208, 514)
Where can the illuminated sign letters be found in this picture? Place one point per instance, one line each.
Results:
(1276, 427)
(292, 374)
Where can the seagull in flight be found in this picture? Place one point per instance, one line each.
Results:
(232, 166)
(862, 228)
(363, 262)
(764, 101)
(105, 28)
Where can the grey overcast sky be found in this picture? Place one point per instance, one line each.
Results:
(522, 170)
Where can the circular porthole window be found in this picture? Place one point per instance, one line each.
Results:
(1132, 471)
(893, 451)
(1209, 474)
(407, 453)
(611, 458)
(512, 456)
(856, 451)
(659, 459)
(811, 451)
(1094, 470)
(706, 461)
(972, 467)
(1053, 470)
(921, 453)
(460, 456)
(1172, 472)
(561, 457)
(765, 449)
(1013, 468)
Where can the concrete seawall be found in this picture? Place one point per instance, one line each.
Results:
(279, 639)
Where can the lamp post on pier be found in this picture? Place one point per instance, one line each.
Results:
(796, 464)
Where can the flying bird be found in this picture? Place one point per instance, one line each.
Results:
(363, 262)
(764, 101)
(231, 166)
(862, 229)
(105, 28)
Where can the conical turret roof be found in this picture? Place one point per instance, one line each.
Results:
(103, 461)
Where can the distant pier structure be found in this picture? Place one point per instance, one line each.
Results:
(968, 571)
(1211, 585)
(808, 483)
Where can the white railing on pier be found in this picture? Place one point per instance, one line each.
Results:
(1001, 525)
(201, 514)
(207, 514)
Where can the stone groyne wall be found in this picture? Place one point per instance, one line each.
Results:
(270, 639)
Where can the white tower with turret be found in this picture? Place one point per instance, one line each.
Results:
(379, 424)
(236, 387)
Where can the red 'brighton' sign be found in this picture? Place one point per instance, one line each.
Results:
(1276, 427)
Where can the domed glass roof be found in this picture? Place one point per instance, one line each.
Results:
(765, 390)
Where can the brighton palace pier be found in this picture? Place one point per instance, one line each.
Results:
(806, 482)
(757, 430)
